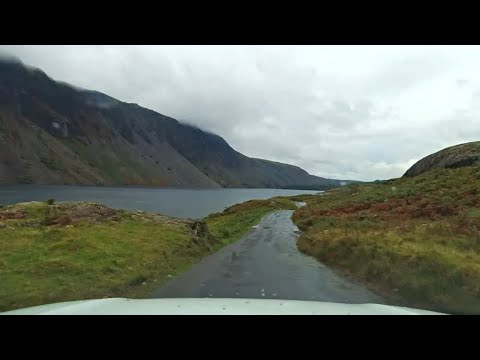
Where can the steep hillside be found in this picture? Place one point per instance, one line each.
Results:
(54, 133)
(457, 156)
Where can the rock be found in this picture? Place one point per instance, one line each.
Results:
(2, 226)
(200, 229)
(68, 213)
(13, 214)
(457, 156)
(30, 223)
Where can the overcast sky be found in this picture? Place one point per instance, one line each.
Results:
(348, 112)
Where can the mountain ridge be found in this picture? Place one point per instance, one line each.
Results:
(54, 133)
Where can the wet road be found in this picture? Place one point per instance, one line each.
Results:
(266, 264)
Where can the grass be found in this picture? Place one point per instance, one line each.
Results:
(415, 240)
(89, 251)
(52, 252)
(235, 221)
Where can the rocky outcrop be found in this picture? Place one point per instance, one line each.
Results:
(462, 155)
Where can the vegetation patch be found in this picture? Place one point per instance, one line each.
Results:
(231, 224)
(52, 252)
(75, 251)
(26, 179)
(415, 240)
(49, 163)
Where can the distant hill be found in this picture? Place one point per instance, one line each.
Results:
(457, 156)
(55, 133)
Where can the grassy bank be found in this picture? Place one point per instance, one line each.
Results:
(73, 251)
(229, 225)
(416, 240)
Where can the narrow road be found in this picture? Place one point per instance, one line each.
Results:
(266, 264)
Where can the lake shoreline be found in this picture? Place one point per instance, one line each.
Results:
(194, 203)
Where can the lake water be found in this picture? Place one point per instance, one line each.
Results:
(186, 203)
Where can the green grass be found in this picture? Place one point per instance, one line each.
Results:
(235, 221)
(52, 252)
(109, 254)
(414, 240)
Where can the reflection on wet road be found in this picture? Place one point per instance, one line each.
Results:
(266, 264)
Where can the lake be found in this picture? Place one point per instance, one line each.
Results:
(185, 203)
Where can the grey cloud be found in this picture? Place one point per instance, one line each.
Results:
(395, 78)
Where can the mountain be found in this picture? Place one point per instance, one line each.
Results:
(457, 156)
(54, 133)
